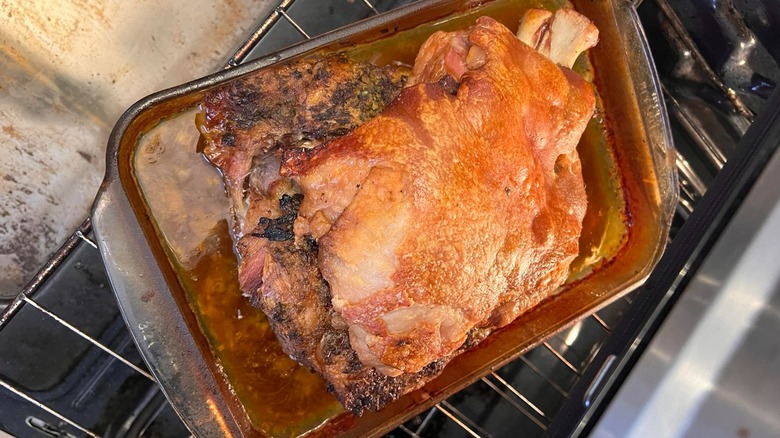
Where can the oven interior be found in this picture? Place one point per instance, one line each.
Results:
(69, 366)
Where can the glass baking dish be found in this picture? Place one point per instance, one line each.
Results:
(160, 219)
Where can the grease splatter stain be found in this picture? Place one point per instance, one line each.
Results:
(86, 156)
(12, 132)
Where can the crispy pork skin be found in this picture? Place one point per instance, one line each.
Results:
(467, 209)
(386, 240)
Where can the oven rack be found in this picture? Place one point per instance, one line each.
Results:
(553, 367)
(558, 353)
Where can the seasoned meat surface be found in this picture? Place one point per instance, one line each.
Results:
(297, 301)
(385, 232)
(299, 104)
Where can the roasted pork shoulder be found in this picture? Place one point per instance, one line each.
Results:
(388, 220)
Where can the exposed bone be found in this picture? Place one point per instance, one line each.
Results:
(533, 26)
(561, 36)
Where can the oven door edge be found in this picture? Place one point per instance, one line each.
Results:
(746, 173)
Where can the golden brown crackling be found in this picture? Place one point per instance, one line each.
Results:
(475, 172)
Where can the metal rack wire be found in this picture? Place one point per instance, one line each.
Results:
(566, 354)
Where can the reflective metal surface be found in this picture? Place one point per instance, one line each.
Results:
(713, 367)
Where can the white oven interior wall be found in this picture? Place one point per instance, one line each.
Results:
(68, 69)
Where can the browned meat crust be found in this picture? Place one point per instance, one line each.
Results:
(299, 104)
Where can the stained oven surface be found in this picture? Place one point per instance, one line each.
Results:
(69, 366)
